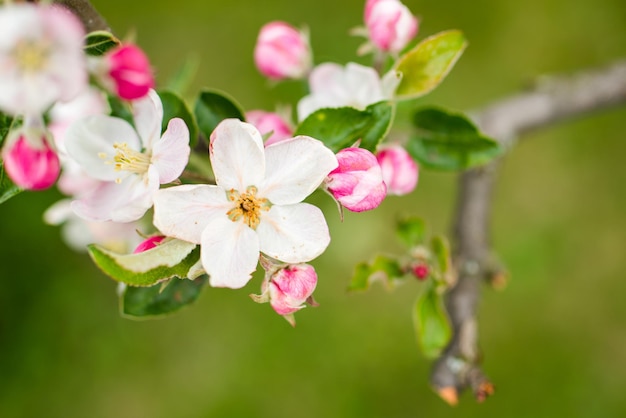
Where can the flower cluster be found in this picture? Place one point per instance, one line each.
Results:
(88, 119)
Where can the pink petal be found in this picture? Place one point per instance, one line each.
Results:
(170, 153)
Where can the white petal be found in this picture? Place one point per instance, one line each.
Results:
(184, 211)
(295, 168)
(364, 84)
(229, 252)
(119, 202)
(237, 155)
(148, 115)
(170, 153)
(90, 143)
(294, 233)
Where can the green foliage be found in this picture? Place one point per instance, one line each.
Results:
(120, 109)
(441, 249)
(181, 80)
(171, 258)
(7, 188)
(99, 42)
(341, 127)
(160, 299)
(449, 141)
(431, 322)
(175, 107)
(385, 268)
(424, 67)
(212, 107)
(5, 126)
(412, 231)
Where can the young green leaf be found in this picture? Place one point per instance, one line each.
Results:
(441, 250)
(431, 322)
(99, 42)
(412, 231)
(120, 109)
(384, 268)
(424, 67)
(212, 107)
(7, 188)
(5, 126)
(160, 299)
(449, 141)
(171, 258)
(341, 127)
(175, 107)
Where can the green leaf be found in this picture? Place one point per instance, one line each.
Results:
(172, 258)
(412, 231)
(424, 67)
(341, 127)
(449, 141)
(120, 109)
(181, 80)
(5, 126)
(160, 299)
(431, 322)
(7, 188)
(175, 107)
(441, 249)
(212, 107)
(99, 42)
(383, 268)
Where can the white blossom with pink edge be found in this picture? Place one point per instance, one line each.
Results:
(255, 207)
(357, 183)
(41, 57)
(390, 25)
(282, 51)
(333, 85)
(132, 164)
(400, 172)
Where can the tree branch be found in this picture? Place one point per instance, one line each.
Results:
(553, 99)
(92, 20)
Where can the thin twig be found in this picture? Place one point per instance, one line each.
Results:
(550, 101)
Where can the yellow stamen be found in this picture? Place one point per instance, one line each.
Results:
(127, 159)
(248, 207)
(31, 55)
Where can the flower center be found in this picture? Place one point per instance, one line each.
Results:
(247, 206)
(127, 159)
(31, 56)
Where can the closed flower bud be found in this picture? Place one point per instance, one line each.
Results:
(421, 271)
(149, 243)
(268, 122)
(29, 159)
(282, 52)
(127, 72)
(390, 24)
(400, 172)
(357, 183)
(290, 287)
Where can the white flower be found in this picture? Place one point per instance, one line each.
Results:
(255, 206)
(41, 57)
(354, 85)
(131, 164)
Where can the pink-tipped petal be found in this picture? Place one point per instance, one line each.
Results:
(147, 116)
(170, 153)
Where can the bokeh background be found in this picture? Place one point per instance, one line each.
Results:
(554, 341)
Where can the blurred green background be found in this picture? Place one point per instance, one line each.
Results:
(554, 341)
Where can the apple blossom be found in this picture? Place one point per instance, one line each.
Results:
(125, 70)
(290, 287)
(400, 172)
(149, 243)
(354, 85)
(130, 163)
(357, 183)
(390, 25)
(269, 122)
(29, 157)
(282, 51)
(254, 208)
(41, 57)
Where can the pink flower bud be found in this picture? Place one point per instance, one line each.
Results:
(400, 172)
(282, 51)
(290, 287)
(149, 243)
(267, 122)
(421, 271)
(357, 183)
(390, 24)
(129, 72)
(31, 166)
